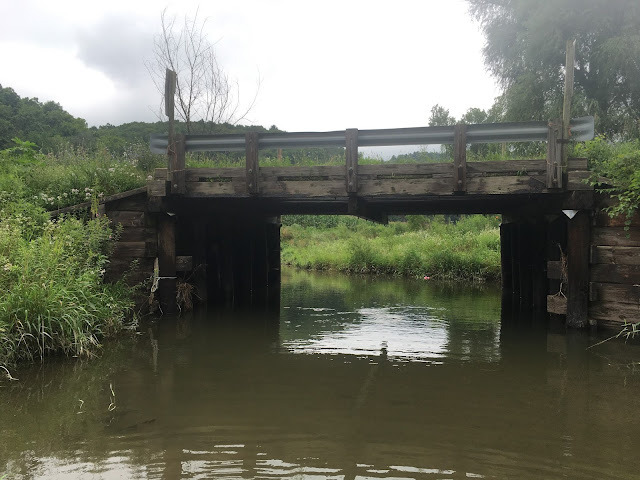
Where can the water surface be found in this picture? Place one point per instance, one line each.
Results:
(360, 378)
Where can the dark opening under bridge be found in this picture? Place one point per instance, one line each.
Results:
(221, 226)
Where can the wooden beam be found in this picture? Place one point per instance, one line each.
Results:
(460, 159)
(351, 142)
(251, 146)
(578, 250)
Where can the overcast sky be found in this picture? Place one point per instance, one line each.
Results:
(326, 65)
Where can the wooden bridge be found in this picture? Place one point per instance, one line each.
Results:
(220, 227)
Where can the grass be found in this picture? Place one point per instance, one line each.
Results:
(52, 298)
(468, 249)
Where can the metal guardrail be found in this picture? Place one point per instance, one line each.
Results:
(582, 129)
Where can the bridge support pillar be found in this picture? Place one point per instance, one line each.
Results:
(167, 263)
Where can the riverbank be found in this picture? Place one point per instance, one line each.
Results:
(467, 248)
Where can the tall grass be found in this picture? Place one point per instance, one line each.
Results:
(52, 299)
(468, 249)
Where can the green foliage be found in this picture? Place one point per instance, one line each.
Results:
(422, 246)
(525, 50)
(52, 299)
(619, 164)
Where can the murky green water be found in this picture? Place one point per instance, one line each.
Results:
(361, 379)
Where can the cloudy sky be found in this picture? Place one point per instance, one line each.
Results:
(326, 65)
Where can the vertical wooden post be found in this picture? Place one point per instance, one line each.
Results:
(460, 159)
(177, 164)
(170, 80)
(351, 154)
(578, 246)
(554, 155)
(351, 142)
(251, 150)
(167, 263)
(568, 86)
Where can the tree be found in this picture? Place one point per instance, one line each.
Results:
(440, 117)
(205, 95)
(525, 51)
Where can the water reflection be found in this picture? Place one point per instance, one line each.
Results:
(356, 383)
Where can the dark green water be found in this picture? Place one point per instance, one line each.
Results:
(361, 379)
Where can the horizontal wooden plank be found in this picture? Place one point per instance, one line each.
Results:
(615, 236)
(138, 234)
(156, 188)
(328, 188)
(554, 269)
(161, 174)
(274, 173)
(203, 189)
(614, 312)
(402, 186)
(557, 304)
(195, 174)
(132, 204)
(502, 185)
(610, 273)
(576, 180)
(615, 292)
(615, 255)
(124, 195)
(135, 249)
(406, 169)
(508, 167)
(127, 219)
(577, 164)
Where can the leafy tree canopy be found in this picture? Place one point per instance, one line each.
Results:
(525, 51)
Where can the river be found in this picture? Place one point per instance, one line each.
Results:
(357, 378)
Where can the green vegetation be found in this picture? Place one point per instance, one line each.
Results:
(420, 246)
(619, 164)
(52, 299)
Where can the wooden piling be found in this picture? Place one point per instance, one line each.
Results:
(578, 247)
(167, 263)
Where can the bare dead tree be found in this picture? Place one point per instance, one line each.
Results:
(205, 95)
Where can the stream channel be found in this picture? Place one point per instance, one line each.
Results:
(358, 378)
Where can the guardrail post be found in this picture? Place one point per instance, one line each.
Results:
(460, 159)
(251, 150)
(554, 154)
(177, 164)
(351, 152)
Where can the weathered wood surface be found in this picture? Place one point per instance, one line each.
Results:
(460, 159)
(615, 236)
(578, 246)
(615, 255)
(495, 177)
(127, 218)
(557, 304)
(351, 154)
(612, 273)
(609, 292)
(135, 249)
(614, 314)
